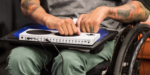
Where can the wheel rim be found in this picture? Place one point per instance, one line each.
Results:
(126, 63)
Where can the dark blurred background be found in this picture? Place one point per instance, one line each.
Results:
(10, 19)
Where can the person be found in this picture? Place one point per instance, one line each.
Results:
(55, 14)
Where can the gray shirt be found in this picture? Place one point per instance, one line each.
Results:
(73, 8)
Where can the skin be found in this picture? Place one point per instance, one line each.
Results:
(133, 11)
(33, 10)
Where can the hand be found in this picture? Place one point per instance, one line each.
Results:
(64, 26)
(90, 22)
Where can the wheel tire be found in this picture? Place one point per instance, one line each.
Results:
(126, 44)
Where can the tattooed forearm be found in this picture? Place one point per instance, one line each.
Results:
(133, 11)
(29, 7)
(123, 13)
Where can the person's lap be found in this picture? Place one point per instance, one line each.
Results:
(30, 60)
(26, 61)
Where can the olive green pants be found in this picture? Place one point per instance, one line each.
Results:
(31, 60)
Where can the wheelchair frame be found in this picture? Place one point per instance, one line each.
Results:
(126, 50)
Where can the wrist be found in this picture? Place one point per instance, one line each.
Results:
(46, 18)
(109, 11)
(112, 11)
(105, 10)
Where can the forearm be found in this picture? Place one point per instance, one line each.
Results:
(33, 10)
(133, 11)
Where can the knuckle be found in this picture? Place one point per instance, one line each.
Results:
(68, 20)
(58, 24)
(84, 22)
(62, 21)
(88, 22)
(96, 21)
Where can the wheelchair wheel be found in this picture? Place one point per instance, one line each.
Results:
(127, 50)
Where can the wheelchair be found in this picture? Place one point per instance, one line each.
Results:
(124, 59)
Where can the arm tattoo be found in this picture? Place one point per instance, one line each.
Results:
(29, 7)
(123, 13)
(133, 11)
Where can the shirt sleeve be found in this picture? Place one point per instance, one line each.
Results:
(146, 3)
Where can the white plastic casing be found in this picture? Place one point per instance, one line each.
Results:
(83, 39)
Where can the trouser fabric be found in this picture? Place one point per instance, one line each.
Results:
(29, 60)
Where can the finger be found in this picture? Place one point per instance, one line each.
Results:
(74, 28)
(96, 26)
(83, 26)
(87, 26)
(70, 30)
(96, 29)
(64, 27)
(78, 31)
(79, 20)
(91, 29)
(59, 28)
